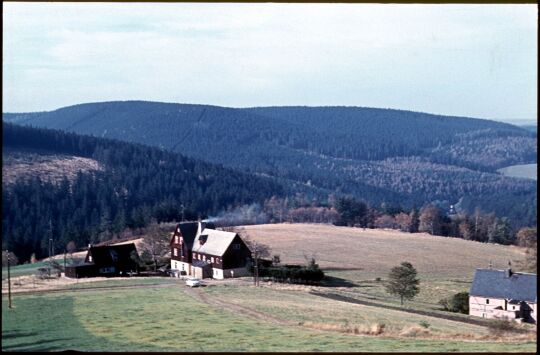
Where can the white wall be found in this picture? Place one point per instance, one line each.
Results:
(180, 265)
(479, 307)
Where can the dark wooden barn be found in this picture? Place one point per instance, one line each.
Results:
(109, 260)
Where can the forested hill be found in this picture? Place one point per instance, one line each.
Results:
(379, 155)
(339, 132)
(134, 183)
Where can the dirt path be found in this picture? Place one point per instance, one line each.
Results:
(200, 295)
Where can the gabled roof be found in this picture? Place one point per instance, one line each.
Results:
(500, 284)
(112, 254)
(190, 230)
(214, 242)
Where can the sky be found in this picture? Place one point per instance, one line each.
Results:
(464, 60)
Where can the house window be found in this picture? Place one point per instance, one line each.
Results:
(212, 259)
(175, 252)
(176, 239)
(236, 246)
(175, 265)
(182, 267)
(182, 251)
(487, 300)
(90, 258)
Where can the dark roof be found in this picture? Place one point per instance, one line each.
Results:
(112, 254)
(497, 284)
(189, 230)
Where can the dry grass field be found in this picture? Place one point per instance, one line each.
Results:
(356, 257)
(372, 252)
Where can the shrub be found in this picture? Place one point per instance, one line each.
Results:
(424, 324)
(458, 303)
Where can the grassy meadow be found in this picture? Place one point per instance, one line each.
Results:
(168, 319)
(162, 314)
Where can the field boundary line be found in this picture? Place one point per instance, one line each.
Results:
(336, 297)
(94, 288)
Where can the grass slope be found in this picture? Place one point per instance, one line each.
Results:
(356, 257)
(167, 319)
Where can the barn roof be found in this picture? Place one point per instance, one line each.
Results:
(112, 254)
(504, 284)
(214, 242)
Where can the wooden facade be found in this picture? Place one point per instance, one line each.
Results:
(201, 251)
(110, 260)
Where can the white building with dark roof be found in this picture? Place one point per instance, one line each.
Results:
(503, 294)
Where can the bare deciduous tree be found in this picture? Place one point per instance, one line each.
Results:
(155, 243)
(258, 251)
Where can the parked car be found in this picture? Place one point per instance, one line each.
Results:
(193, 282)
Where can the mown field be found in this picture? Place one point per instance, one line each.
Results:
(162, 314)
(169, 319)
(528, 171)
(358, 257)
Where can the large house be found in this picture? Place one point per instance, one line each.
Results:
(503, 294)
(109, 260)
(200, 251)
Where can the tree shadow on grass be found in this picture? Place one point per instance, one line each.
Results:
(16, 334)
(332, 281)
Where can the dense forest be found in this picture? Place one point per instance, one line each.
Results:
(380, 156)
(136, 184)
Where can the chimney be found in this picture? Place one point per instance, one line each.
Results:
(507, 273)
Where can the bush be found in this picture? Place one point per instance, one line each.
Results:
(424, 324)
(458, 303)
(292, 273)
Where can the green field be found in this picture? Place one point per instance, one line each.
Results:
(168, 319)
(161, 314)
(528, 171)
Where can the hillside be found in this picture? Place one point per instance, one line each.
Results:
(133, 184)
(369, 253)
(380, 155)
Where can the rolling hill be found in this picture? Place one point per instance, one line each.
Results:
(380, 155)
(118, 185)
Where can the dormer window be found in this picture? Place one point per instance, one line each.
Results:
(202, 239)
(236, 246)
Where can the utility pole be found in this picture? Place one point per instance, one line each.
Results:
(256, 270)
(50, 247)
(9, 279)
(50, 255)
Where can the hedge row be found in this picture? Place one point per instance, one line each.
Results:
(292, 273)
